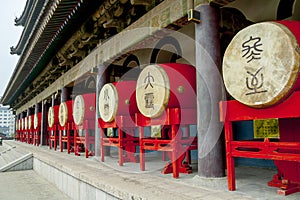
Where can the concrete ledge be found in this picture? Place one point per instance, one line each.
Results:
(23, 163)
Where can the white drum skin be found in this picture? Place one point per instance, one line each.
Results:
(117, 98)
(161, 86)
(261, 64)
(84, 108)
(65, 113)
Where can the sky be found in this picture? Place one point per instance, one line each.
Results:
(9, 36)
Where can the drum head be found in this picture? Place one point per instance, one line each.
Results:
(29, 121)
(63, 114)
(152, 91)
(261, 64)
(78, 110)
(22, 124)
(35, 121)
(51, 117)
(26, 123)
(108, 102)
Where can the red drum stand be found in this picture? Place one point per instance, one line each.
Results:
(66, 136)
(125, 140)
(53, 136)
(36, 136)
(28, 136)
(285, 152)
(174, 143)
(22, 135)
(86, 138)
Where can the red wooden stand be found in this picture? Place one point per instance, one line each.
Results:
(29, 136)
(285, 152)
(67, 138)
(177, 145)
(88, 128)
(124, 141)
(36, 136)
(22, 135)
(53, 136)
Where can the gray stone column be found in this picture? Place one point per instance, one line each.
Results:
(65, 94)
(102, 78)
(30, 111)
(54, 100)
(37, 109)
(209, 93)
(44, 122)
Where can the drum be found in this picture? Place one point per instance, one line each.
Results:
(261, 63)
(53, 116)
(65, 112)
(26, 123)
(117, 99)
(17, 125)
(30, 121)
(37, 120)
(84, 108)
(161, 86)
(23, 124)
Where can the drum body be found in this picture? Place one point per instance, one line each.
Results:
(17, 125)
(162, 86)
(117, 99)
(65, 112)
(84, 108)
(26, 123)
(20, 124)
(261, 64)
(37, 120)
(30, 122)
(23, 124)
(53, 116)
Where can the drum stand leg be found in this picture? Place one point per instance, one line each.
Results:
(286, 187)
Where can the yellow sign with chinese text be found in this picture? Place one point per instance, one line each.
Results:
(267, 128)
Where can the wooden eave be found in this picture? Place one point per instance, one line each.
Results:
(59, 20)
(21, 21)
(30, 22)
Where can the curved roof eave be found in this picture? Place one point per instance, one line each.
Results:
(51, 36)
(21, 21)
(32, 20)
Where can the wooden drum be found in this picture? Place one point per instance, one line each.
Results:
(261, 64)
(65, 113)
(84, 108)
(26, 123)
(17, 125)
(20, 124)
(37, 120)
(30, 121)
(117, 99)
(53, 116)
(161, 86)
